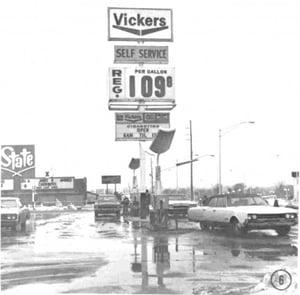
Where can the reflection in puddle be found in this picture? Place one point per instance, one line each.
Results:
(206, 258)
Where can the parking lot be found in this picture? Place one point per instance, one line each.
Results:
(70, 252)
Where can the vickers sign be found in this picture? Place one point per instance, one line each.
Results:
(139, 24)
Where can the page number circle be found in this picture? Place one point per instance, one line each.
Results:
(281, 279)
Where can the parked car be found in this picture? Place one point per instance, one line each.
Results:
(179, 205)
(13, 213)
(243, 212)
(271, 200)
(107, 205)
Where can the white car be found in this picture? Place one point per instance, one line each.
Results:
(179, 205)
(243, 212)
(13, 213)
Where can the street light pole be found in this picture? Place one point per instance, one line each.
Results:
(191, 155)
(222, 132)
(220, 174)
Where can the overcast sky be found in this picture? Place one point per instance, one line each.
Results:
(234, 61)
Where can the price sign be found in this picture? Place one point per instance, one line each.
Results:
(141, 83)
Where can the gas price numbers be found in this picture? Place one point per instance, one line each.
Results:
(142, 83)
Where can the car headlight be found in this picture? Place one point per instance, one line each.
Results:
(288, 216)
(11, 217)
(252, 216)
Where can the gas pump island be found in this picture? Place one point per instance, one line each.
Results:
(142, 93)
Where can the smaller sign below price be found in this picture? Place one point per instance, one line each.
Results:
(141, 83)
(140, 126)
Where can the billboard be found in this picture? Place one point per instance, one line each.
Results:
(140, 126)
(107, 179)
(141, 54)
(140, 24)
(146, 83)
(17, 160)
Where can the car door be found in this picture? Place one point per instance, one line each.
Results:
(220, 212)
(211, 209)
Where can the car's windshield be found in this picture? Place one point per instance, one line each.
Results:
(8, 203)
(246, 201)
(178, 197)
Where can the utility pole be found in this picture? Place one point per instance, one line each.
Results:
(191, 156)
(152, 185)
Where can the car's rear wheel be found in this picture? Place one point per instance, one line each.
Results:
(283, 230)
(236, 228)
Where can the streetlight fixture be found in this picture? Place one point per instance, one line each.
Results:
(222, 132)
(190, 162)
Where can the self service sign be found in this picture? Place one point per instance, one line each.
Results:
(141, 83)
(139, 24)
(140, 126)
(141, 54)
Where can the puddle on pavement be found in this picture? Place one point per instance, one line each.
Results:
(142, 261)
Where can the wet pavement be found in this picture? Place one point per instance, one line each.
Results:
(73, 253)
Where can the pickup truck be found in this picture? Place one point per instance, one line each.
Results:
(13, 213)
(107, 205)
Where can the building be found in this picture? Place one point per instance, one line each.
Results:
(46, 190)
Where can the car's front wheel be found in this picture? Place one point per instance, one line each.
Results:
(236, 228)
(203, 225)
(283, 230)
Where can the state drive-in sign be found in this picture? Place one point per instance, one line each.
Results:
(139, 24)
(140, 126)
(141, 83)
(17, 160)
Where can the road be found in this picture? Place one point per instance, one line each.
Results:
(73, 253)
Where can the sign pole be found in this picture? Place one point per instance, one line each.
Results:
(142, 168)
(33, 196)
